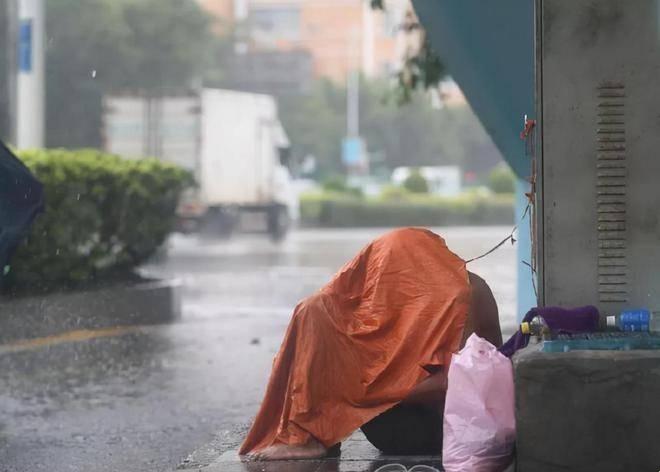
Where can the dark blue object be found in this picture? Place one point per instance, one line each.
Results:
(635, 320)
(21, 199)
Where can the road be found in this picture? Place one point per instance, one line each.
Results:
(143, 399)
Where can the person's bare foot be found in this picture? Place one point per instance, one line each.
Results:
(282, 452)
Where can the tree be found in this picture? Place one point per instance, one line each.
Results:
(416, 183)
(316, 125)
(85, 45)
(422, 68)
(411, 135)
(168, 45)
(117, 46)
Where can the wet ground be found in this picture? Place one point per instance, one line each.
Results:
(145, 398)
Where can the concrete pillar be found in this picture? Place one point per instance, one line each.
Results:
(30, 107)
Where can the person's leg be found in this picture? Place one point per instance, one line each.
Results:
(415, 425)
(406, 430)
(311, 450)
(292, 427)
(304, 348)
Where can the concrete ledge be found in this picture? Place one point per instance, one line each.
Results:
(587, 411)
(137, 303)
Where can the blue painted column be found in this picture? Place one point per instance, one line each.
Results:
(526, 296)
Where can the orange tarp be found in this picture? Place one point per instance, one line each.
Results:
(358, 346)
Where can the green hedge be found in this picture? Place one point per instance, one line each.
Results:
(104, 216)
(328, 210)
(502, 179)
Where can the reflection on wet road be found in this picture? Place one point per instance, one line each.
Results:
(142, 399)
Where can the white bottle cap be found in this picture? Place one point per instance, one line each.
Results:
(611, 321)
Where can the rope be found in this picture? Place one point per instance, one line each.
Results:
(510, 237)
(526, 135)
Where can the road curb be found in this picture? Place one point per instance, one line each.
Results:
(141, 303)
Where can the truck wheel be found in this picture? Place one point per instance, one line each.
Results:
(219, 222)
(188, 225)
(278, 222)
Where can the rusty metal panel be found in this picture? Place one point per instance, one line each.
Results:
(598, 73)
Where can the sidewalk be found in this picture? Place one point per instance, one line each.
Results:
(357, 455)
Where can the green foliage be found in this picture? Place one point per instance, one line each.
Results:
(416, 183)
(502, 179)
(316, 124)
(311, 204)
(104, 216)
(130, 46)
(338, 184)
(394, 193)
(168, 40)
(424, 69)
(412, 135)
(335, 183)
(415, 210)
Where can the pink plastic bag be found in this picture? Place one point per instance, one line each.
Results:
(479, 421)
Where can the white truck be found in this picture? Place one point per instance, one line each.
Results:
(232, 141)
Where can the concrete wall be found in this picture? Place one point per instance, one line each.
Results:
(587, 411)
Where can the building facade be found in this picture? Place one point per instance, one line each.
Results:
(340, 36)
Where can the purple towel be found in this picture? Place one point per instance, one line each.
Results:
(560, 321)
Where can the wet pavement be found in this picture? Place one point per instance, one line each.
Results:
(145, 398)
(356, 455)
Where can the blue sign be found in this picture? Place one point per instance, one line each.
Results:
(25, 46)
(352, 152)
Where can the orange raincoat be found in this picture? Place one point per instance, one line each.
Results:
(358, 346)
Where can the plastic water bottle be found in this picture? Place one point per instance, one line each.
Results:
(537, 328)
(641, 320)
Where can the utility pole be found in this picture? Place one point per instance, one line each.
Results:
(353, 104)
(353, 152)
(352, 88)
(12, 65)
(30, 108)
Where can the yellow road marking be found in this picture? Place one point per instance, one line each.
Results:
(69, 337)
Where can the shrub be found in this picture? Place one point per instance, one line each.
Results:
(416, 183)
(311, 204)
(104, 216)
(416, 210)
(334, 183)
(338, 184)
(502, 179)
(394, 193)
